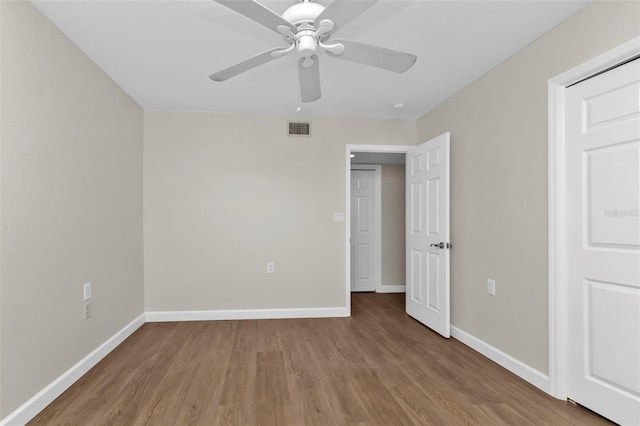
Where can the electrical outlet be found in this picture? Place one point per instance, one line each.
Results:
(491, 287)
(271, 267)
(87, 309)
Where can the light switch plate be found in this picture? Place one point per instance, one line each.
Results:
(338, 217)
(491, 287)
(87, 291)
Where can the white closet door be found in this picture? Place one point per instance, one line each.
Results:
(603, 242)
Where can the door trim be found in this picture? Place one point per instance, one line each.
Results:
(377, 255)
(352, 148)
(558, 301)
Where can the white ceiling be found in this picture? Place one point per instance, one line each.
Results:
(162, 52)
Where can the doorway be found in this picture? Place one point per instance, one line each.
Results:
(378, 222)
(366, 156)
(426, 227)
(366, 227)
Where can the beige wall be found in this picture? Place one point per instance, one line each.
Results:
(225, 193)
(71, 204)
(393, 230)
(498, 130)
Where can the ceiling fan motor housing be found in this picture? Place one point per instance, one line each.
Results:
(302, 16)
(303, 13)
(307, 43)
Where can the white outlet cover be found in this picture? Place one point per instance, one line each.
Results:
(87, 291)
(271, 267)
(87, 310)
(338, 217)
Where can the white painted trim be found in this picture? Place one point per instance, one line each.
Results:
(392, 289)
(246, 314)
(377, 255)
(38, 402)
(558, 303)
(392, 149)
(556, 250)
(517, 367)
(388, 149)
(372, 167)
(378, 230)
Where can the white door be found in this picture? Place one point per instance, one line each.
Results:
(365, 267)
(427, 223)
(603, 242)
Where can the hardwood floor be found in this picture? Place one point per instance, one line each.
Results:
(378, 367)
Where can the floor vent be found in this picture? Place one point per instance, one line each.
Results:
(299, 129)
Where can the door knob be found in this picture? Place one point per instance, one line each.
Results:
(440, 245)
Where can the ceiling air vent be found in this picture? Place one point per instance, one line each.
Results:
(299, 129)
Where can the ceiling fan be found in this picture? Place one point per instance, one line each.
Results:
(307, 27)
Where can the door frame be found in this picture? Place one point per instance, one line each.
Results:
(377, 255)
(353, 148)
(557, 254)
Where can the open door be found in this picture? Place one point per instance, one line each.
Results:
(427, 227)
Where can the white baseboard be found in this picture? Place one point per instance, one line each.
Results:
(37, 403)
(243, 314)
(517, 367)
(392, 289)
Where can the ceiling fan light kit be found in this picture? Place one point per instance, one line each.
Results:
(307, 26)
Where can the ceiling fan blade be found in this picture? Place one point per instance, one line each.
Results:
(375, 56)
(258, 13)
(309, 80)
(246, 65)
(341, 12)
